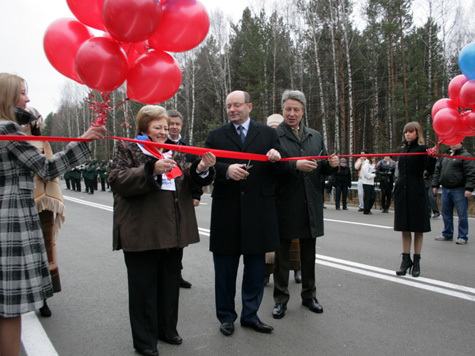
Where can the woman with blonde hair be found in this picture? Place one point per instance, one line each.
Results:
(25, 282)
(49, 203)
(411, 213)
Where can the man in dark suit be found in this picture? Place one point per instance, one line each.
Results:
(174, 134)
(243, 215)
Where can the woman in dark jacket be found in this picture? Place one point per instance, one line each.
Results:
(154, 219)
(410, 199)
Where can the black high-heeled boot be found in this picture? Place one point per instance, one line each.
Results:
(406, 264)
(416, 267)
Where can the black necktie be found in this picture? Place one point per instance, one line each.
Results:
(241, 133)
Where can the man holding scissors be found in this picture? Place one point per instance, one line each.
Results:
(299, 201)
(243, 215)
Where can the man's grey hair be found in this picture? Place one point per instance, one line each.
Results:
(174, 113)
(294, 95)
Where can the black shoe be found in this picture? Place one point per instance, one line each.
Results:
(151, 352)
(386, 211)
(184, 284)
(337, 208)
(279, 311)
(406, 264)
(313, 305)
(416, 266)
(175, 340)
(360, 210)
(298, 276)
(227, 328)
(259, 326)
(345, 208)
(45, 310)
(368, 213)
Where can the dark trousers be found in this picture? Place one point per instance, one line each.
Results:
(252, 291)
(103, 184)
(76, 184)
(282, 267)
(432, 198)
(385, 197)
(90, 185)
(369, 197)
(154, 288)
(68, 183)
(341, 193)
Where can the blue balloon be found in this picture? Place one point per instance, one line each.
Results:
(467, 61)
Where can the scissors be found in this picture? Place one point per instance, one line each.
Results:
(248, 166)
(318, 160)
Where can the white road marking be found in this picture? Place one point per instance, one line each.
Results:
(34, 338)
(453, 290)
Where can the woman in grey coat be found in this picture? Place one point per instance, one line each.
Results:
(25, 281)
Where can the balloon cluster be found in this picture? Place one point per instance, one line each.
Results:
(138, 34)
(453, 119)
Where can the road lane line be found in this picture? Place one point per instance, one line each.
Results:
(34, 338)
(456, 287)
(394, 279)
(358, 223)
(85, 202)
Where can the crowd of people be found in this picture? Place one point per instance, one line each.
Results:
(269, 212)
(92, 173)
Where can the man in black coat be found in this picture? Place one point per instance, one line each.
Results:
(299, 201)
(243, 215)
(174, 134)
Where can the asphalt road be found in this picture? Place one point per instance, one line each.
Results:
(367, 309)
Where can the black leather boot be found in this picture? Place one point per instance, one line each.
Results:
(416, 267)
(406, 264)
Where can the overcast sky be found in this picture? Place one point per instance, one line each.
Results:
(22, 26)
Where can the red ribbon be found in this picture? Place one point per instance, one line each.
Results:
(175, 172)
(200, 151)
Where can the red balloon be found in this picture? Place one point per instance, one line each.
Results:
(469, 119)
(102, 64)
(134, 51)
(185, 24)
(446, 122)
(154, 78)
(455, 86)
(464, 128)
(131, 20)
(467, 95)
(61, 43)
(89, 12)
(442, 104)
(453, 140)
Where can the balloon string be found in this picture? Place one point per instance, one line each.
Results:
(99, 109)
(200, 151)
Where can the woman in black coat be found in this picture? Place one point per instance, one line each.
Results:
(410, 199)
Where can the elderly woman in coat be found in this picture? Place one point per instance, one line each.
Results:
(299, 202)
(154, 219)
(411, 209)
(25, 281)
